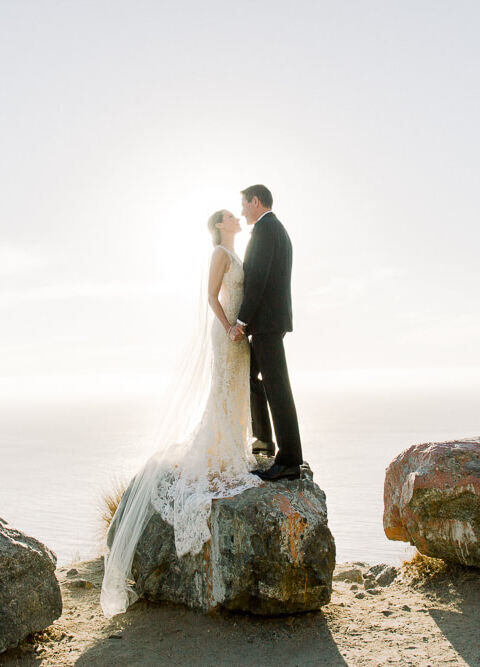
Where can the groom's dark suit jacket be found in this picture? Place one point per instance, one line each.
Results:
(267, 299)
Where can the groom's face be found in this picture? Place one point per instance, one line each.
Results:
(249, 210)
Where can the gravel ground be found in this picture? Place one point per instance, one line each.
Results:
(402, 624)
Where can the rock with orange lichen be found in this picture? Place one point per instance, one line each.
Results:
(271, 552)
(432, 500)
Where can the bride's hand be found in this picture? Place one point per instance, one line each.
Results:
(235, 333)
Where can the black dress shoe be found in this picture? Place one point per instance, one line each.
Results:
(278, 471)
(262, 447)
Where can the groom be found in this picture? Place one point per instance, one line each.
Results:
(266, 315)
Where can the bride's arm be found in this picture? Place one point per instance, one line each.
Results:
(218, 266)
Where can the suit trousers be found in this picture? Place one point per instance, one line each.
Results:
(267, 357)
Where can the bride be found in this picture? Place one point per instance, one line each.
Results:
(214, 461)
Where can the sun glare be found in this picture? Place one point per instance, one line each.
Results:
(183, 235)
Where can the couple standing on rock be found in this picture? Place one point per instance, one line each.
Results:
(215, 460)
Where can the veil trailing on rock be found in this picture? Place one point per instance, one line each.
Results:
(200, 445)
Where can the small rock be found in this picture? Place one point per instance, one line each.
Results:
(373, 591)
(387, 576)
(370, 583)
(72, 572)
(352, 574)
(360, 595)
(80, 583)
(118, 636)
(406, 607)
(387, 612)
(375, 569)
(354, 587)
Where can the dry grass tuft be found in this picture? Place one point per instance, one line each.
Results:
(110, 501)
(421, 568)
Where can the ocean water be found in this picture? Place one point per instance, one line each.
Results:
(64, 442)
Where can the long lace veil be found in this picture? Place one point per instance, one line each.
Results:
(181, 409)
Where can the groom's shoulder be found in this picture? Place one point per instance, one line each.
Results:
(274, 221)
(274, 224)
(269, 221)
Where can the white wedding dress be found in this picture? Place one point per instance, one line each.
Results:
(213, 462)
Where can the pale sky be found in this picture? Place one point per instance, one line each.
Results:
(124, 125)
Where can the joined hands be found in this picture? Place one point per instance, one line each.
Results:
(236, 332)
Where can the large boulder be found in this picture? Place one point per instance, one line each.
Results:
(271, 552)
(432, 499)
(30, 598)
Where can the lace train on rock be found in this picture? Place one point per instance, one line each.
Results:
(213, 462)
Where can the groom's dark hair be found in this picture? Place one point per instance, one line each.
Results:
(264, 195)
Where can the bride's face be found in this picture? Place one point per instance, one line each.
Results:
(230, 223)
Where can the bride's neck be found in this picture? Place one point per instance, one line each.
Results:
(228, 242)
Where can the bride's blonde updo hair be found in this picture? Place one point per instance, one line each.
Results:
(213, 220)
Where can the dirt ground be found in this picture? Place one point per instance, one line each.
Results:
(403, 624)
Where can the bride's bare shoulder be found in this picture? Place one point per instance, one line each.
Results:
(220, 257)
